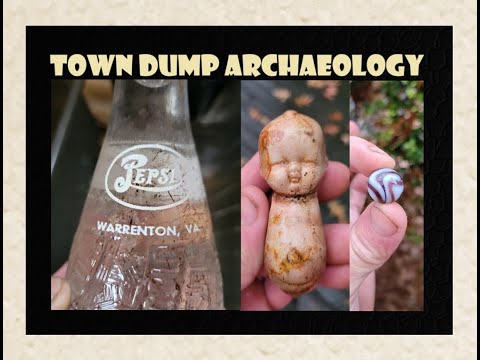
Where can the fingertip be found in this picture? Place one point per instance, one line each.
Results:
(253, 298)
(335, 277)
(258, 199)
(254, 219)
(354, 129)
(359, 183)
(365, 157)
(338, 169)
(338, 245)
(334, 182)
(251, 174)
(276, 298)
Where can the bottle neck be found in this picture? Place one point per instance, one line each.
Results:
(150, 111)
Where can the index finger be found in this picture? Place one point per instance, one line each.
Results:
(251, 174)
(354, 130)
(365, 157)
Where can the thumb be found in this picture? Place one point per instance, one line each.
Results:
(60, 293)
(254, 218)
(373, 239)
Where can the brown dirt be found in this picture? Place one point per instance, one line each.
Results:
(400, 280)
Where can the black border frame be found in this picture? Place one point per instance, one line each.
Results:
(436, 70)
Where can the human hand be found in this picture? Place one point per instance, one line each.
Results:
(376, 232)
(258, 291)
(60, 290)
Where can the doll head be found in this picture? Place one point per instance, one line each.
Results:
(292, 154)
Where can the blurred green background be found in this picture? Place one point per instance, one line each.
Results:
(390, 115)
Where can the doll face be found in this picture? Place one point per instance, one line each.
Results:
(296, 162)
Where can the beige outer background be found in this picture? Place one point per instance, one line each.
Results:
(460, 14)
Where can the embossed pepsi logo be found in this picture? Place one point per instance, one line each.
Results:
(146, 177)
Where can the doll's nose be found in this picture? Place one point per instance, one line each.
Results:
(294, 171)
(294, 167)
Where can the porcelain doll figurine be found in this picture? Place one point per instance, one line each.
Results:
(292, 161)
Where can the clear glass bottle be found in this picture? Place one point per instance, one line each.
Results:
(145, 238)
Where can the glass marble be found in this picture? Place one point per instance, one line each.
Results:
(385, 186)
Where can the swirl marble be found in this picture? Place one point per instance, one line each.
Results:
(385, 186)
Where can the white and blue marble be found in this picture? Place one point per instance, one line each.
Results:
(385, 186)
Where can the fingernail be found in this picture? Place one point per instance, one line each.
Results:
(382, 225)
(378, 150)
(61, 298)
(248, 212)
